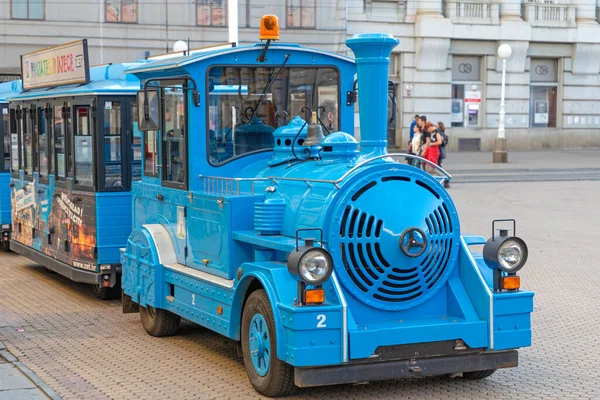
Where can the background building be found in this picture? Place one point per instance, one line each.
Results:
(445, 66)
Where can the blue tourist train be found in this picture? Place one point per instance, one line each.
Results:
(76, 150)
(7, 90)
(259, 216)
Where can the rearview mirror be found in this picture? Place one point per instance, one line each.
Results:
(148, 110)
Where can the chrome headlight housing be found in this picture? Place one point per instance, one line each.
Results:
(508, 253)
(311, 265)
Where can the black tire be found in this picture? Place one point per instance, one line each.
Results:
(476, 375)
(279, 379)
(159, 322)
(106, 293)
(6, 246)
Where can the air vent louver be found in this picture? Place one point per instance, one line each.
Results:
(369, 249)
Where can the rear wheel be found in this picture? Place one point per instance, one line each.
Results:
(106, 293)
(476, 375)
(269, 375)
(159, 322)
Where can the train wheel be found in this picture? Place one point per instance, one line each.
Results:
(476, 375)
(105, 293)
(159, 322)
(270, 376)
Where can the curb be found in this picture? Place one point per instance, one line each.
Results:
(47, 390)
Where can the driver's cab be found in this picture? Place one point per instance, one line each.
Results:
(209, 120)
(213, 112)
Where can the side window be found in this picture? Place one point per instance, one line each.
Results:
(14, 139)
(136, 145)
(112, 145)
(59, 143)
(28, 140)
(150, 153)
(84, 170)
(6, 138)
(43, 159)
(174, 124)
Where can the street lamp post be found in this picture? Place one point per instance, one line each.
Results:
(500, 154)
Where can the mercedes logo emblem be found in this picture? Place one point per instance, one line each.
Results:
(465, 68)
(541, 70)
(413, 242)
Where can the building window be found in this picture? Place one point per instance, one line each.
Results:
(542, 98)
(121, 11)
(27, 9)
(466, 92)
(211, 13)
(301, 14)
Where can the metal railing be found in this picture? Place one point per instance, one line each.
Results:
(479, 12)
(218, 185)
(549, 14)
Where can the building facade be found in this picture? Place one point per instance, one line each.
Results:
(445, 66)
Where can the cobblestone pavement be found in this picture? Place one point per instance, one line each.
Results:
(86, 349)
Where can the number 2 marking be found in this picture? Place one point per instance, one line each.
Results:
(193, 299)
(321, 318)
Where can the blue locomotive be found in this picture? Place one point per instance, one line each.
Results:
(77, 150)
(7, 90)
(325, 259)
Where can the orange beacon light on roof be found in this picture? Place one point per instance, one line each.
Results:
(269, 27)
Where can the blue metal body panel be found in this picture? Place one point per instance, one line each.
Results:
(7, 91)
(113, 219)
(357, 204)
(5, 217)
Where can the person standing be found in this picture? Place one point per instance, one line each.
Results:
(442, 130)
(412, 128)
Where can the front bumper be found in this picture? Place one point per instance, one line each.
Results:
(408, 368)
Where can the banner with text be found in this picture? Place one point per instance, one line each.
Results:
(56, 66)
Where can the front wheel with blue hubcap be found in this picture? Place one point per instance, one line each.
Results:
(269, 375)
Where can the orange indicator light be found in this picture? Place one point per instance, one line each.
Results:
(219, 310)
(511, 282)
(314, 296)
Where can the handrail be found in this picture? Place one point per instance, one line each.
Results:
(228, 186)
(405, 155)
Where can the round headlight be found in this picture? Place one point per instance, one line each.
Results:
(510, 255)
(312, 265)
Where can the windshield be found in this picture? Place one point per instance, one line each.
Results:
(246, 104)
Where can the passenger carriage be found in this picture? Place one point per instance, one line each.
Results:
(79, 149)
(327, 261)
(7, 90)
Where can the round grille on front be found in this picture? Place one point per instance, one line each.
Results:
(366, 241)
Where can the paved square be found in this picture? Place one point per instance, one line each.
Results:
(86, 349)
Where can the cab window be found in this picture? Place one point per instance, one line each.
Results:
(60, 143)
(6, 138)
(113, 165)
(174, 134)
(136, 145)
(14, 140)
(83, 143)
(246, 104)
(27, 128)
(43, 143)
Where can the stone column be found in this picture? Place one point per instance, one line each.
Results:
(429, 8)
(586, 11)
(510, 10)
